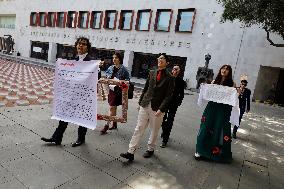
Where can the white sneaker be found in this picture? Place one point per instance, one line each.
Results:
(197, 155)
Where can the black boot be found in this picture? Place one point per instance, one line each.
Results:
(235, 132)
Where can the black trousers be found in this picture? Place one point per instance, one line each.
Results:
(242, 111)
(168, 121)
(58, 133)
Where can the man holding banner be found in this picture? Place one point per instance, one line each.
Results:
(75, 93)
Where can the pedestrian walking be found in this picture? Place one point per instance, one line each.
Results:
(83, 48)
(244, 103)
(117, 72)
(153, 103)
(214, 136)
(175, 102)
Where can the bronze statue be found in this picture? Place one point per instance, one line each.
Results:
(204, 74)
(9, 43)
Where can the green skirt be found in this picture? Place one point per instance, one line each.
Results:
(214, 136)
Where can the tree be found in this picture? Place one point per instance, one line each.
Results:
(268, 14)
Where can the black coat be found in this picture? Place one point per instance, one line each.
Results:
(244, 100)
(178, 93)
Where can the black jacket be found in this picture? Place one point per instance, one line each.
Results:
(178, 93)
(244, 100)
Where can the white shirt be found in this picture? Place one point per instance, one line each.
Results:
(82, 56)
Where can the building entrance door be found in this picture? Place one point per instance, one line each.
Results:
(144, 62)
(270, 90)
(39, 50)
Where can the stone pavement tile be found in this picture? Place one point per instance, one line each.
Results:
(5, 176)
(173, 175)
(94, 138)
(7, 180)
(276, 174)
(13, 184)
(119, 170)
(194, 173)
(34, 173)
(89, 153)
(42, 128)
(39, 146)
(122, 186)
(12, 152)
(115, 149)
(65, 162)
(96, 179)
(138, 163)
(4, 121)
(69, 185)
(141, 180)
(20, 134)
(256, 154)
(254, 176)
(223, 175)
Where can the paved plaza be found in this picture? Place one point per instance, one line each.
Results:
(27, 162)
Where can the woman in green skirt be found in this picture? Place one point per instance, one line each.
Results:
(214, 136)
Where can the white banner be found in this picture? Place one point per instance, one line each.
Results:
(75, 92)
(221, 94)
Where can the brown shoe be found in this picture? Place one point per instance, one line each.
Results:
(104, 130)
(114, 126)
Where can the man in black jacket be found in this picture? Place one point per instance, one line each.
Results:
(176, 101)
(83, 48)
(244, 103)
(153, 103)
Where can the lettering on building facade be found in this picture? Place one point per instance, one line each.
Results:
(170, 43)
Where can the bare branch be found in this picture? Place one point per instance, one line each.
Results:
(271, 42)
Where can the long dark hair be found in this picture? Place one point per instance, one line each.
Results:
(119, 56)
(89, 45)
(229, 78)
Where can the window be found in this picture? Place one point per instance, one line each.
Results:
(51, 19)
(143, 20)
(83, 19)
(42, 18)
(71, 19)
(7, 21)
(61, 17)
(33, 19)
(110, 19)
(125, 22)
(185, 20)
(163, 20)
(96, 19)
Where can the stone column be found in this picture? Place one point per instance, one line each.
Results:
(128, 60)
(52, 50)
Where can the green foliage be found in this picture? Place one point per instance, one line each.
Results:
(269, 14)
